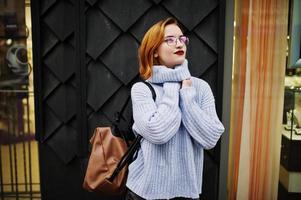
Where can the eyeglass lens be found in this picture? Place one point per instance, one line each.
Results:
(173, 40)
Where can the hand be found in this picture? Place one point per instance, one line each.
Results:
(186, 83)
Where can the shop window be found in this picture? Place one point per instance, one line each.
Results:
(290, 166)
(19, 168)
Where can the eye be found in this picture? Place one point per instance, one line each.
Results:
(170, 40)
(184, 39)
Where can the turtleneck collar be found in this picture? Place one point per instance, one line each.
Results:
(161, 73)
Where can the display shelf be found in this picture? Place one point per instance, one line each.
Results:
(289, 134)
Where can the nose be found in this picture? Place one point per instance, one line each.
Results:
(179, 44)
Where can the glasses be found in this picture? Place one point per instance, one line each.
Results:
(172, 40)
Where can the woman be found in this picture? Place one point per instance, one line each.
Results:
(177, 126)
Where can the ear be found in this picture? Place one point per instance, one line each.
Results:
(156, 55)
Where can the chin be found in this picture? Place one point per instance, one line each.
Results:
(175, 62)
(179, 62)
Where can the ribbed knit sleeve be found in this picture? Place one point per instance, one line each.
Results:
(199, 114)
(156, 123)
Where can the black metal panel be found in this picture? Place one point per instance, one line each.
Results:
(51, 124)
(61, 61)
(81, 78)
(73, 81)
(208, 30)
(152, 16)
(190, 12)
(49, 40)
(86, 66)
(157, 1)
(199, 55)
(100, 90)
(55, 87)
(62, 102)
(63, 143)
(60, 19)
(92, 2)
(121, 58)
(59, 181)
(100, 32)
(220, 56)
(124, 13)
(71, 40)
(210, 178)
(46, 4)
(116, 103)
(210, 77)
(50, 82)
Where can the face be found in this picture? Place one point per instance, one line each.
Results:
(171, 53)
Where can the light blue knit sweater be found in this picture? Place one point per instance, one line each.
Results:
(176, 128)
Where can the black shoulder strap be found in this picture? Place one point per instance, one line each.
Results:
(120, 113)
(151, 89)
(133, 149)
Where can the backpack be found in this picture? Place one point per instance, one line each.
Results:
(111, 153)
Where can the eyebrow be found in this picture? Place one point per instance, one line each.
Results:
(172, 36)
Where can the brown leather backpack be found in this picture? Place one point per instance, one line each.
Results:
(110, 156)
(107, 167)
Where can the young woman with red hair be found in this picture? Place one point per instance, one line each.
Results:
(177, 126)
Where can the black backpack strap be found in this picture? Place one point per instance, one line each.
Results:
(118, 115)
(126, 158)
(151, 89)
(132, 151)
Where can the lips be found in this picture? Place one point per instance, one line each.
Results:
(180, 52)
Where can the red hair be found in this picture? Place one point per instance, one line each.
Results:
(150, 42)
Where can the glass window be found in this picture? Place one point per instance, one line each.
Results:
(19, 168)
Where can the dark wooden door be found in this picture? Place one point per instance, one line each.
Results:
(85, 60)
